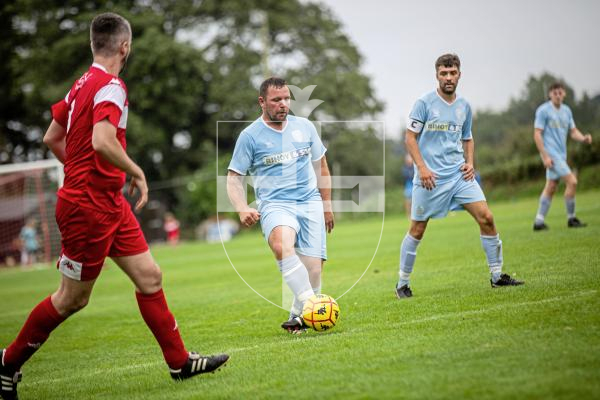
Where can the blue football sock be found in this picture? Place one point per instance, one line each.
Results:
(492, 245)
(570, 205)
(543, 208)
(408, 255)
(294, 273)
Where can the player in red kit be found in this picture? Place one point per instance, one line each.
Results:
(87, 134)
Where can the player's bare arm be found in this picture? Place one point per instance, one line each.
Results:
(467, 168)
(105, 142)
(235, 190)
(539, 143)
(55, 140)
(324, 185)
(426, 175)
(580, 137)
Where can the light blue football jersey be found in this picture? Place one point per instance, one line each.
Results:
(555, 125)
(442, 127)
(279, 161)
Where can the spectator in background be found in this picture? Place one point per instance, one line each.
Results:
(171, 227)
(217, 229)
(408, 173)
(29, 240)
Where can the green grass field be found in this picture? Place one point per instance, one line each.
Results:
(456, 338)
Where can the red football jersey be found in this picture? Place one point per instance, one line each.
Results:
(90, 181)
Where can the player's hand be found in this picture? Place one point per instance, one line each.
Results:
(329, 221)
(587, 139)
(249, 217)
(547, 162)
(139, 182)
(468, 171)
(427, 178)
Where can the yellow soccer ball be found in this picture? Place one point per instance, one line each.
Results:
(321, 312)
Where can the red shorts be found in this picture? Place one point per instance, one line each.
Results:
(173, 235)
(89, 236)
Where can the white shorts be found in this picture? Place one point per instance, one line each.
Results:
(306, 218)
(444, 197)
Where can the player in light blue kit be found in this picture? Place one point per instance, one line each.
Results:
(286, 159)
(553, 121)
(440, 141)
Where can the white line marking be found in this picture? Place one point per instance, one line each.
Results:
(284, 340)
(499, 307)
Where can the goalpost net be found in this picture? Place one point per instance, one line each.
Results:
(28, 196)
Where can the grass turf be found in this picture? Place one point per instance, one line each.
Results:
(456, 338)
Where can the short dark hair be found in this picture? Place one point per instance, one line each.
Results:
(448, 61)
(106, 33)
(272, 81)
(556, 85)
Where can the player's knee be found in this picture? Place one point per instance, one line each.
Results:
(277, 248)
(417, 235)
(417, 232)
(81, 303)
(282, 250)
(551, 187)
(74, 305)
(155, 278)
(68, 301)
(486, 219)
(314, 270)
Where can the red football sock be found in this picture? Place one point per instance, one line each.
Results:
(41, 321)
(161, 322)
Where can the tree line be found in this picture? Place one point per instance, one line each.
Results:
(193, 64)
(197, 63)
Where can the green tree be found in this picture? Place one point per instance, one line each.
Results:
(193, 64)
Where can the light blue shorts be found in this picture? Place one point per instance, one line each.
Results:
(444, 197)
(559, 169)
(408, 188)
(306, 218)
